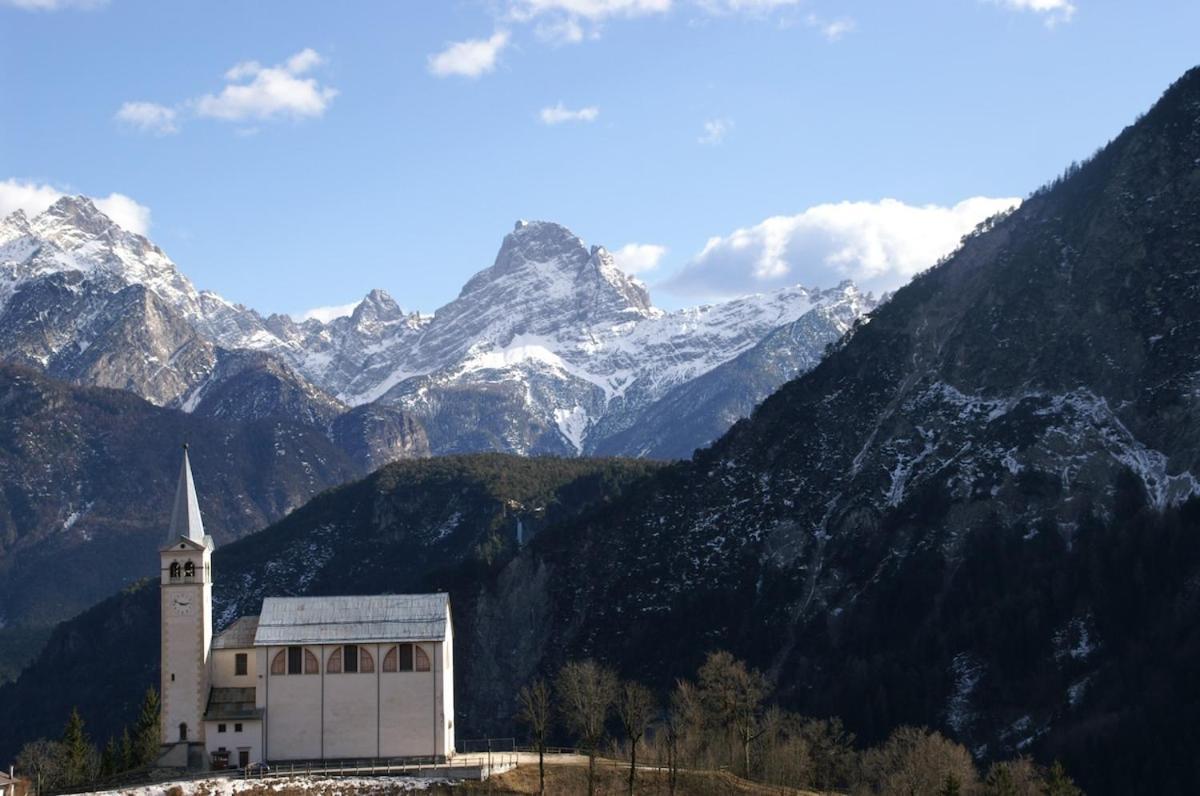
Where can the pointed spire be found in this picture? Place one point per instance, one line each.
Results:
(185, 517)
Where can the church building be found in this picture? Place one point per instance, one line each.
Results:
(309, 678)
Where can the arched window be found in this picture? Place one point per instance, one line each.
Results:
(183, 730)
(175, 570)
(406, 658)
(189, 570)
(349, 659)
(295, 660)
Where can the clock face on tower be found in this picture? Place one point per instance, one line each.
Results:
(181, 605)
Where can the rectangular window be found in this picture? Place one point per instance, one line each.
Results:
(406, 658)
(237, 728)
(240, 661)
(350, 658)
(295, 659)
(220, 728)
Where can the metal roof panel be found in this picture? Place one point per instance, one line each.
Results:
(352, 619)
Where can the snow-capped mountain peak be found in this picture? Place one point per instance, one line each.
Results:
(553, 340)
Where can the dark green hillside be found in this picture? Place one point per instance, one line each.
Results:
(447, 523)
(86, 475)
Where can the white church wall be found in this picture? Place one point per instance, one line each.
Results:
(410, 717)
(352, 709)
(233, 740)
(447, 657)
(293, 703)
(224, 669)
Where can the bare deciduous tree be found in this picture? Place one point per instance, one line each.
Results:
(40, 760)
(535, 712)
(636, 707)
(918, 760)
(585, 691)
(732, 696)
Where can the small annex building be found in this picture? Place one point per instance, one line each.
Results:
(309, 678)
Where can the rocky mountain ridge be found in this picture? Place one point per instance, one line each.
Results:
(552, 349)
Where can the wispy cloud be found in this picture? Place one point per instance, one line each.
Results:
(560, 114)
(832, 29)
(149, 117)
(1054, 12)
(327, 314)
(33, 198)
(470, 58)
(715, 131)
(637, 258)
(880, 245)
(53, 5)
(757, 7)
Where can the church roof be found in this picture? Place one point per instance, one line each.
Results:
(334, 620)
(238, 635)
(185, 516)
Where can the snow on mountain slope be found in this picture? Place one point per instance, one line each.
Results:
(551, 349)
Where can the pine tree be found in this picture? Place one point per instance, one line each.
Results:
(110, 758)
(128, 753)
(146, 735)
(1000, 782)
(950, 787)
(78, 752)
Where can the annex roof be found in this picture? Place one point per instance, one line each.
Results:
(238, 635)
(231, 703)
(335, 620)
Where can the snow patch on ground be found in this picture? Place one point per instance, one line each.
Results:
(316, 786)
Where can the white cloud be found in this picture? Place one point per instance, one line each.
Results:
(753, 7)
(149, 117)
(126, 212)
(715, 131)
(592, 10)
(261, 92)
(470, 58)
(327, 314)
(832, 29)
(563, 21)
(636, 258)
(1052, 11)
(33, 198)
(879, 245)
(53, 5)
(560, 113)
(560, 31)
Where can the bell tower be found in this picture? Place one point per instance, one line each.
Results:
(186, 577)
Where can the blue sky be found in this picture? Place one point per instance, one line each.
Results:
(296, 154)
